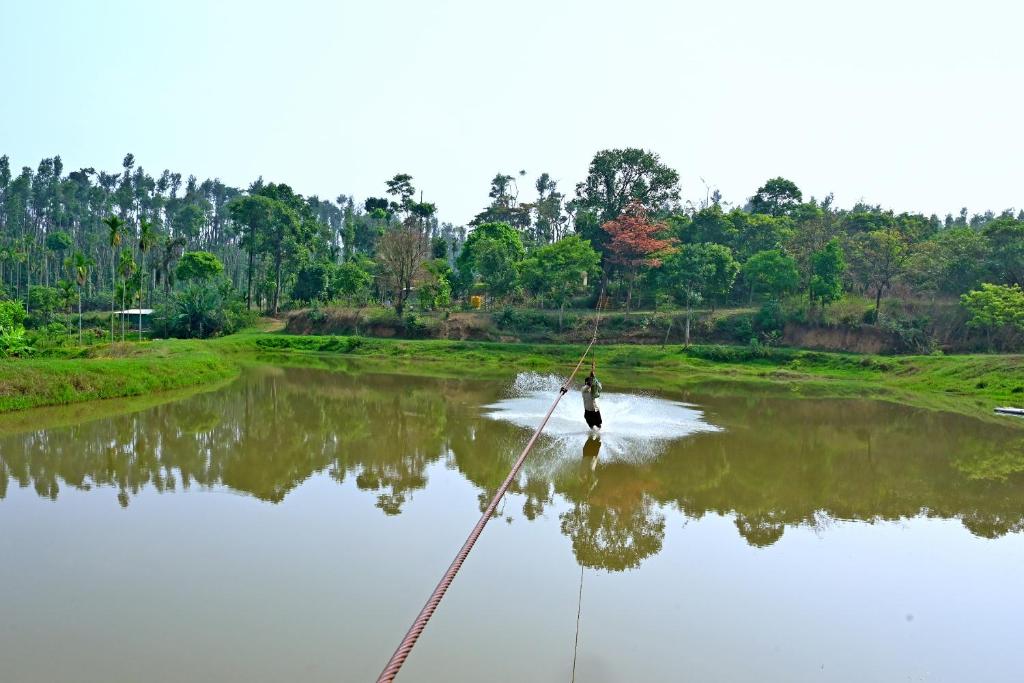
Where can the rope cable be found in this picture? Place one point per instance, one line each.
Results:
(576, 643)
(405, 647)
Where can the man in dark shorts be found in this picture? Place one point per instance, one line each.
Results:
(591, 391)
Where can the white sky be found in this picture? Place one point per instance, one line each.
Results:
(913, 105)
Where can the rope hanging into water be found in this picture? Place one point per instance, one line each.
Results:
(576, 643)
(394, 664)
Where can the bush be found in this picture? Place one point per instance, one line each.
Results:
(738, 328)
(753, 351)
(313, 343)
(313, 282)
(911, 334)
(532, 321)
(12, 314)
(770, 320)
(13, 340)
(203, 309)
(14, 343)
(316, 314)
(414, 326)
(49, 337)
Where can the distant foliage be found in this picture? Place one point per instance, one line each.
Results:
(107, 239)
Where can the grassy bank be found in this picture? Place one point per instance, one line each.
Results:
(118, 372)
(971, 384)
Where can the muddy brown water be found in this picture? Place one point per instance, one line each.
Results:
(290, 525)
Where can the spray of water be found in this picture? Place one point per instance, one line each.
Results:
(636, 427)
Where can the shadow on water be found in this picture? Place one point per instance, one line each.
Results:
(768, 463)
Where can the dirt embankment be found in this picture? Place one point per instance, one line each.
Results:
(863, 340)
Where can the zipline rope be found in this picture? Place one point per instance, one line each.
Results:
(394, 664)
(576, 643)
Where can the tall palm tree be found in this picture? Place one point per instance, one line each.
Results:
(80, 265)
(147, 238)
(126, 267)
(171, 250)
(116, 228)
(67, 299)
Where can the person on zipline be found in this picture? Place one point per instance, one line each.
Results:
(591, 391)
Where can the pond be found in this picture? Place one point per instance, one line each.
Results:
(290, 525)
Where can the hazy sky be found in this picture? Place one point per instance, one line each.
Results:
(913, 105)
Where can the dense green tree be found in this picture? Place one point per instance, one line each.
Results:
(709, 224)
(827, 268)
(754, 233)
(995, 306)
(558, 271)
(435, 292)
(354, 279)
(508, 242)
(313, 282)
(496, 263)
(772, 272)
(199, 265)
(1005, 236)
(878, 257)
(695, 273)
(777, 197)
(44, 302)
(253, 214)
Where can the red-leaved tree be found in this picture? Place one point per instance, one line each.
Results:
(634, 244)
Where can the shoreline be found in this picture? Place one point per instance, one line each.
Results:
(969, 384)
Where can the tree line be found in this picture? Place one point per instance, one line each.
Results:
(207, 254)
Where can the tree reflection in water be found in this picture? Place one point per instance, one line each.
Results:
(777, 463)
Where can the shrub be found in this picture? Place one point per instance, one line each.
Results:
(911, 334)
(770, 319)
(14, 343)
(316, 314)
(414, 326)
(49, 337)
(12, 314)
(203, 309)
(13, 340)
(739, 328)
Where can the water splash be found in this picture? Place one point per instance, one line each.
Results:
(636, 427)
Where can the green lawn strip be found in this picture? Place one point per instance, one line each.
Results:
(33, 383)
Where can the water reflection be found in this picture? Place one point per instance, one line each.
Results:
(775, 463)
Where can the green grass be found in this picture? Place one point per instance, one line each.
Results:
(128, 370)
(970, 384)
